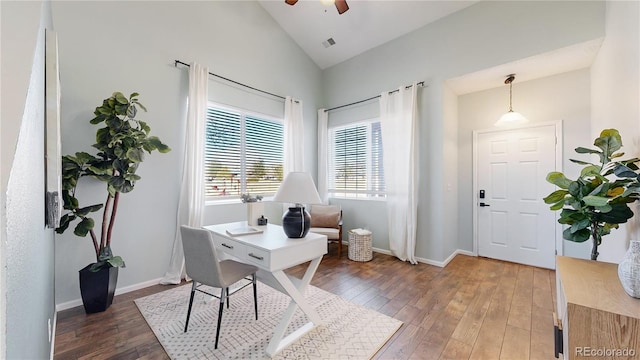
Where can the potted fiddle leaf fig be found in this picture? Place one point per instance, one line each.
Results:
(121, 143)
(597, 201)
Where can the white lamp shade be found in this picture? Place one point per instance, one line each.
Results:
(298, 188)
(510, 118)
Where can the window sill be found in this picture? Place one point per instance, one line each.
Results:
(230, 201)
(377, 199)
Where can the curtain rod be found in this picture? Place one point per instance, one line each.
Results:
(421, 83)
(232, 81)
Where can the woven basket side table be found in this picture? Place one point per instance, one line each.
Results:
(360, 246)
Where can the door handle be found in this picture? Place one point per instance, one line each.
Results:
(484, 205)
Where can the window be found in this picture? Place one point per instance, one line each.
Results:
(243, 153)
(355, 161)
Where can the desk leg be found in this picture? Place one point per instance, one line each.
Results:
(277, 343)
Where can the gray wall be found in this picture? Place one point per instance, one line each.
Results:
(28, 261)
(485, 35)
(563, 97)
(130, 47)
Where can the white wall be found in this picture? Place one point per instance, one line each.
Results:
(563, 97)
(27, 261)
(15, 18)
(130, 47)
(482, 36)
(616, 101)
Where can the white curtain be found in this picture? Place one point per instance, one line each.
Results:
(399, 126)
(293, 136)
(323, 140)
(191, 203)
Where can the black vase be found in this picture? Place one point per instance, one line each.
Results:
(97, 288)
(296, 222)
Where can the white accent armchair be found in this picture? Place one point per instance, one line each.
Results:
(327, 220)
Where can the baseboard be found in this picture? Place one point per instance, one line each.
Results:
(122, 290)
(382, 251)
(430, 261)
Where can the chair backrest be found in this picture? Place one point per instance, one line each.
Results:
(200, 256)
(325, 216)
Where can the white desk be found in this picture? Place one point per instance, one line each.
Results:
(273, 252)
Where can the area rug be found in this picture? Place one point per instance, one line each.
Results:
(349, 331)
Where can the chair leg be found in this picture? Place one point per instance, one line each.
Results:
(339, 248)
(255, 295)
(193, 292)
(222, 300)
(228, 298)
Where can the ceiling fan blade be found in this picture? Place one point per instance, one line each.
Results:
(291, 2)
(341, 5)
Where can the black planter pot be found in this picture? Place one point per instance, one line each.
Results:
(97, 288)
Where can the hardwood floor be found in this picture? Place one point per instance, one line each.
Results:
(475, 308)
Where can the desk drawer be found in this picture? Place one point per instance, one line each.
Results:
(258, 256)
(230, 247)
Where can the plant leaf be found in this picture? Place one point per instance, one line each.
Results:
(580, 162)
(579, 225)
(120, 98)
(591, 170)
(557, 206)
(609, 141)
(558, 179)
(615, 191)
(624, 171)
(135, 155)
(88, 209)
(578, 236)
(555, 196)
(83, 227)
(65, 221)
(592, 200)
(619, 214)
(116, 261)
(582, 150)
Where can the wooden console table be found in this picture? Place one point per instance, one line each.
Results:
(599, 320)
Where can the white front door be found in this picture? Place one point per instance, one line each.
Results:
(513, 223)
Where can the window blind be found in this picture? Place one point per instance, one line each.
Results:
(355, 158)
(243, 154)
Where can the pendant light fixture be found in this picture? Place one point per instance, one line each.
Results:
(511, 117)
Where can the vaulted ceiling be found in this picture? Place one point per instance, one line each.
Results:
(370, 23)
(365, 25)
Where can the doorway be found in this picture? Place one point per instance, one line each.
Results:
(511, 220)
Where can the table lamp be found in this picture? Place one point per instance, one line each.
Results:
(297, 188)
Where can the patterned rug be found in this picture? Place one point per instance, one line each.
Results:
(349, 331)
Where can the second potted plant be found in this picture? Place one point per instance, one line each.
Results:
(597, 201)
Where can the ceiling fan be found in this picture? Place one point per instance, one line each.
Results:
(341, 5)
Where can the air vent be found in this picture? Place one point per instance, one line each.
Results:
(328, 42)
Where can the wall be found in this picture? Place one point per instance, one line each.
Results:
(487, 34)
(616, 101)
(565, 97)
(29, 266)
(449, 206)
(131, 47)
(15, 18)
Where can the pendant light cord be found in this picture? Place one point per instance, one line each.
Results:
(509, 80)
(510, 95)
